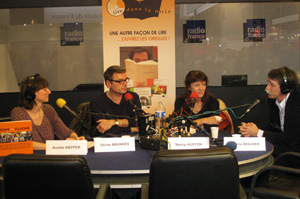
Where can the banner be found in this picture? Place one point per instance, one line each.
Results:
(140, 35)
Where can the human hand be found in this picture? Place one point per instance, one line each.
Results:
(76, 138)
(80, 138)
(248, 129)
(104, 125)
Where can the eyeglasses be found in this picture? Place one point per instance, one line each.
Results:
(121, 81)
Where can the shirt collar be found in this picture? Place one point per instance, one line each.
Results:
(282, 104)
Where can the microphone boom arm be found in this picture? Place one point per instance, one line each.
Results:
(202, 130)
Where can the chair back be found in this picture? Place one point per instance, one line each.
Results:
(84, 126)
(226, 124)
(40, 176)
(202, 174)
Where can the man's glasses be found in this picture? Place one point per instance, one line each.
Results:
(121, 81)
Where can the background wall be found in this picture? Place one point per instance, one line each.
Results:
(224, 51)
(32, 42)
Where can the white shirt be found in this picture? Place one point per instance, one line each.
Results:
(281, 105)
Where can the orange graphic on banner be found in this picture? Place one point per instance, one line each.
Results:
(15, 126)
(16, 147)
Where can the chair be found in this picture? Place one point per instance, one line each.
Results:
(277, 182)
(40, 176)
(202, 174)
(84, 127)
(226, 124)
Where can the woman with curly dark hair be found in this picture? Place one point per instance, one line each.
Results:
(196, 84)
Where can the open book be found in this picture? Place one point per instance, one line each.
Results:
(140, 72)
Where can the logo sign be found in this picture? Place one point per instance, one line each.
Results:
(248, 143)
(115, 8)
(73, 32)
(194, 31)
(140, 9)
(256, 28)
(188, 143)
(114, 144)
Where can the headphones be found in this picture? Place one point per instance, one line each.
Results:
(30, 90)
(284, 87)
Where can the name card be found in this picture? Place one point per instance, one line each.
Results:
(114, 144)
(66, 147)
(188, 143)
(248, 143)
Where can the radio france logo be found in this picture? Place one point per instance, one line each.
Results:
(115, 7)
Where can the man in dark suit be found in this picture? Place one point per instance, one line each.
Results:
(284, 101)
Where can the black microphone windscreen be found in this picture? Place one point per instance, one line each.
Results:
(231, 144)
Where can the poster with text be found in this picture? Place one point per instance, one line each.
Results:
(140, 35)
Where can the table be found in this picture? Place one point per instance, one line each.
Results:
(131, 169)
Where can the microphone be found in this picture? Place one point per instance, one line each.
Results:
(231, 144)
(5, 119)
(260, 99)
(61, 103)
(128, 97)
(193, 98)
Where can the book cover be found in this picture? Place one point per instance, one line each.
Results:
(15, 137)
(141, 72)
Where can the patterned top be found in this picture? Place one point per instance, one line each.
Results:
(51, 124)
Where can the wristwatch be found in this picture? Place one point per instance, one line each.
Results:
(117, 122)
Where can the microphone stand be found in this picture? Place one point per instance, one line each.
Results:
(5, 119)
(205, 113)
(109, 116)
(80, 120)
(202, 130)
(221, 110)
(162, 134)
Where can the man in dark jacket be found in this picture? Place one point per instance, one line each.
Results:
(284, 101)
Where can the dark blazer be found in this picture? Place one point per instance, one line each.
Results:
(289, 140)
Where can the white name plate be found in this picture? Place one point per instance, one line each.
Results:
(66, 147)
(188, 143)
(114, 144)
(248, 143)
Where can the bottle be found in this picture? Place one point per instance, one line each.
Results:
(160, 114)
